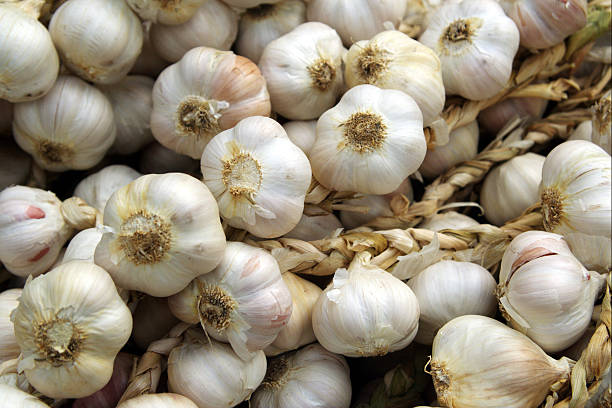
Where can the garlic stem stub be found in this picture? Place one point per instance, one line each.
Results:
(9, 348)
(165, 12)
(97, 188)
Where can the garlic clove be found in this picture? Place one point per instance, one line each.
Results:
(162, 400)
(314, 227)
(448, 220)
(152, 320)
(97, 188)
(9, 348)
(82, 246)
(164, 12)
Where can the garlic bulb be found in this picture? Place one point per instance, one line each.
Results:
(148, 62)
(71, 127)
(357, 21)
(244, 301)
(476, 44)
(298, 330)
(108, 396)
(97, 188)
(70, 325)
(392, 60)
(164, 11)
(14, 165)
(544, 23)
(583, 131)
(132, 100)
(310, 377)
(206, 92)
(602, 118)
(83, 245)
(314, 227)
(510, 188)
(575, 195)
(152, 320)
(14, 397)
(6, 117)
(462, 146)
(258, 177)
(9, 349)
(495, 117)
(448, 220)
(369, 142)
(158, 159)
(302, 133)
(211, 374)
(261, 24)
(365, 311)
(161, 231)
(479, 362)
(213, 25)
(164, 400)
(448, 289)
(29, 61)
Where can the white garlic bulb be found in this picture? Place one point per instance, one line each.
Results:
(70, 325)
(302, 133)
(148, 62)
(109, 395)
(9, 348)
(356, 21)
(258, 177)
(243, 301)
(161, 231)
(83, 245)
(314, 227)
(392, 60)
(448, 289)
(15, 165)
(476, 44)
(261, 24)
(477, 361)
(510, 188)
(575, 195)
(71, 127)
(369, 142)
(206, 92)
(448, 220)
(152, 321)
(602, 118)
(310, 377)
(213, 25)
(164, 11)
(303, 71)
(163, 400)
(14, 397)
(30, 63)
(365, 311)
(210, 374)
(495, 117)
(97, 188)
(156, 158)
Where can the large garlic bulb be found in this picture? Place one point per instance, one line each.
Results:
(14, 397)
(369, 142)
(476, 44)
(15, 165)
(213, 25)
(99, 40)
(303, 71)
(210, 374)
(29, 63)
(309, 377)
(97, 188)
(161, 231)
(206, 92)
(392, 60)
(314, 227)
(258, 177)
(495, 117)
(302, 133)
(448, 220)
(162, 400)
(152, 320)
(70, 325)
(9, 349)
(83, 245)
(575, 195)
(71, 127)
(479, 362)
(365, 311)
(244, 301)
(165, 12)
(156, 158)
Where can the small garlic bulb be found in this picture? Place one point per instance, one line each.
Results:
(148, 62)
(310, 377)
(302, 133)
(15, 165)
(369, 142)
(82, 246)
(510, 188)
(213, 25)
(448, 289)
(314, 227)
(70, 128)
(70, 325)
(602, 118)
(476, 44)
(164, 11)
(97, 188)
(244, 301)
(206, 92)
(30, 63)
(258, 177)
(495, 117)
(392, 60)
(158, 159)
(448, 220)
(99, 40)
(9, 348)
(210, 374)
(14, 397)
(477, 361)
(365, 311)
(161, 231)
(163, 400)
(108, 396)
(152, 320)
(575, 195)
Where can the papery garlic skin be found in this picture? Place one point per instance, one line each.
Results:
(161, 231)
(495, 117)
(303, 71)
(163, 400)
(310, 377)
(258, 177)
(70, 325)
(14, 397)
(97, 188)
(476, 44)
(9, 348)
(211, 374)
(448, 220)
(302, 133)
(369, 142)
(392, 60)
(165, 12)
(82, 246)
(99, 40)
(213, 25)
(152, 321)
(30, 63)
(71, 127)
(477, 361)
(243, 301)
(510, 188)
(15, 165)
(109, 396)
(314, 227)
(158, 159)
(206, 92)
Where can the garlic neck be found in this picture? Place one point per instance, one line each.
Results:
(197, 116)
(215, 307)
(322, 72)
(58, 340)
(145, 238)
(364, 132)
